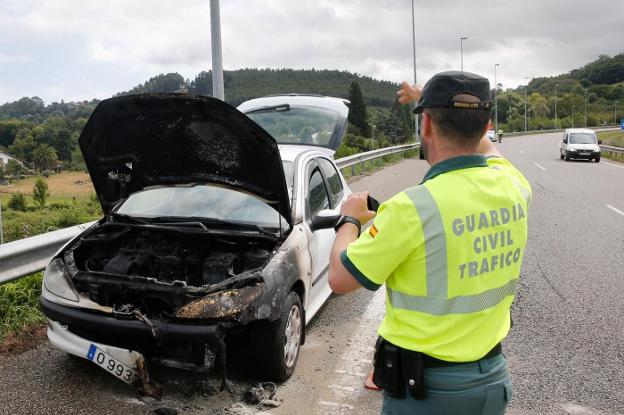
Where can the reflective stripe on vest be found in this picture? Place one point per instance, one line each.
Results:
(436, 302)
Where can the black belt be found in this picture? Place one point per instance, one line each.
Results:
(429, 361)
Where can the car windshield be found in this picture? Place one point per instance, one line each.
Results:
(582, 138)
(297, 125)
(201, 201)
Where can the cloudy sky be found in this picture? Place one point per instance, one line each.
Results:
(83, 49)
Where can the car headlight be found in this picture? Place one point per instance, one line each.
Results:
(56, 281)
(223, 304)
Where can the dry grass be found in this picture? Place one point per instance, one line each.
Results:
(65, 184)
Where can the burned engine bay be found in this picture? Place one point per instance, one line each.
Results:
(159, 269)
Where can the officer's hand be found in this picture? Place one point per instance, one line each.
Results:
(356, 206)
(409, 93)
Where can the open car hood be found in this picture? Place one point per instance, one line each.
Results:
(134, 142)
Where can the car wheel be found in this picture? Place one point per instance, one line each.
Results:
(279, 341)
(567, 157)
(597, 159)
(561, 155)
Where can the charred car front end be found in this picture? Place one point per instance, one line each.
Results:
(196, 248)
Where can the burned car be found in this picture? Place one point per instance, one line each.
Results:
(208, 235)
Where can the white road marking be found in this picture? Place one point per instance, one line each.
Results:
(336, 404)
(613, 164)
(541, 167)
(344, 390)
(615, 210)
(345, 372)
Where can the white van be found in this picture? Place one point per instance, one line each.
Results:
(579, 143)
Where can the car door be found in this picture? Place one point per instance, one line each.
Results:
(325, 190)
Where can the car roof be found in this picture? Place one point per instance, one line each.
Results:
(580, 130)
(289, 152)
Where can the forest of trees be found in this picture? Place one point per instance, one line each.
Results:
(46, 136)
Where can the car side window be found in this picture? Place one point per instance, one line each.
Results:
(333, 180)
(317, 193)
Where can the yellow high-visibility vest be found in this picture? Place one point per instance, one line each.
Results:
(449, 252)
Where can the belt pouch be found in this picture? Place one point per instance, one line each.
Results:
(388, 369)
(413, 373)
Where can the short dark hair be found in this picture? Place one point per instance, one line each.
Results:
(460, 126)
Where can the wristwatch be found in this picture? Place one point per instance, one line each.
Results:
(344, 219)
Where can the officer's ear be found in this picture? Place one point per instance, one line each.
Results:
(426, 127)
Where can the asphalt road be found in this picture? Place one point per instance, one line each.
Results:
(565, 349)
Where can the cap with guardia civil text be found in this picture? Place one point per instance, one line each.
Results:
(439, 92)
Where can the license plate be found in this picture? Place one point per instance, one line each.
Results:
(584, 154)
(111, 365)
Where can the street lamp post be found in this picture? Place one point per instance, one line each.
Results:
(461, 50)
(556, 85)
(615, 113)
(585, 107)
(415, 77)
(572, 116)
(495, 100)
(217, 62)
(525, 104)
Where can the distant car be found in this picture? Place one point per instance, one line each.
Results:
(579, 143)
(210, 234)
(491, 134)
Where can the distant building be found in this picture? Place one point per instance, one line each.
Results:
(5, 157)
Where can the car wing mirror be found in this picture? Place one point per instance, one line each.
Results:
(325, 219)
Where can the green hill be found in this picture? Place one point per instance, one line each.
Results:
(244, 84)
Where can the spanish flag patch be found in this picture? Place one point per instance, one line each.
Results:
(373, 231)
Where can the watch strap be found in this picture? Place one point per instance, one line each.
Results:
(348, 219)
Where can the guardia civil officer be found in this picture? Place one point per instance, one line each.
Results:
(449, 252)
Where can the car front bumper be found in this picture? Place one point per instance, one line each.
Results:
(583, 154)
(100, 326)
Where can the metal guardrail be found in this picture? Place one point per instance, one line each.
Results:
(352, 161)
(612, 150)
(30, 255)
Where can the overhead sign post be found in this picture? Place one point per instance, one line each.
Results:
(215, 40)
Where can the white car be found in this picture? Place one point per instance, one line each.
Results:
(579, 143)
(491, 134)
(209, 236)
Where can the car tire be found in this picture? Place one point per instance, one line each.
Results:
(279, 341)
(567, 157)
(561, 155)
(597, 159)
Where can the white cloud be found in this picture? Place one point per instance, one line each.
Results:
(18, 58)
(144, 38)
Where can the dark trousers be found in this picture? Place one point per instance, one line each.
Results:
(477, 388)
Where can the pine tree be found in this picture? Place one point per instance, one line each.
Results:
(358, 116)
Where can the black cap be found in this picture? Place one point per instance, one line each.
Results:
(440, 90)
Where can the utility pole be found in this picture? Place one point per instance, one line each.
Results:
(215, 39)
(556, 85)
(461, 50)
(572, 116)
(585, 107)
(615, 113)
(495, 101)
(1, 230)
(525, 104)
(415, 77)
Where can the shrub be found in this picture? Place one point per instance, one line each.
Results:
(40, 192)
(18, 202)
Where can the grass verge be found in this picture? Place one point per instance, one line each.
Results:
(615, 139)
(19, 311)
